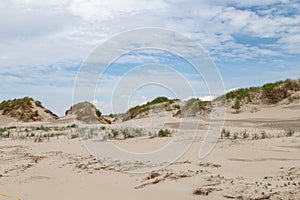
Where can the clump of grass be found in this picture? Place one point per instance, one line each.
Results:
(74, 136)
(235, 135)
(203, 191)
(114, 133)
(124, 133)
(88, 133)
(245, 134)
(38, 139)
(33, 132)
(72, 126)
(290, 133)
(164, 133)
(263, 134)
(237, 106)
(255, 136)
(225, 133)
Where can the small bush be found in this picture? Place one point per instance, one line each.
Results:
(225, 133)
(235, 136)
(245, 134)
(263, 134)
(164, 133)
(126, 133)
(74, 136)
(114, 133)
(203, 191)
(72, 126)
(290, 133)
(38, 139)
(237, 104)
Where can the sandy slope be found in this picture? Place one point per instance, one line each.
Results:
(238, 169)
(6, 121)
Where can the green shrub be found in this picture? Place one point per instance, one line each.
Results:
(290, 133)
(72, 126)
(114, 133)
(225, 133)
(126, 133)
(159, 100)
(245, 134)
(235, 136)
(164, 133)
(263, 134)
(38, 139)
(73, 136)
(237, 105)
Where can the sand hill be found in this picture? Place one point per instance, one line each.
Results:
(26, 110)
(270, 94)
(87, 113)
(158, 105)
(173, 107)
(247, 100)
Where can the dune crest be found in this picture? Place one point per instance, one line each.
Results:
(87, 113)
(26, 110)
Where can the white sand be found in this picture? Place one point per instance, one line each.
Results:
(242, 168)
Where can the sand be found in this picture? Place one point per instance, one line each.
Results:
(241, 168)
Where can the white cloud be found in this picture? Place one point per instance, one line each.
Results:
(35, 34)
(137, 101)
(108, 9)
(291, 43)
(207, 98)
(248, 3)
(72, 28)
(31, 19)
(202, 98)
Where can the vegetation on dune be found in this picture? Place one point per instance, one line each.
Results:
(193, 106)
(188, 108)
(145, 108)
(275, 92)
(242, 93)
(227, 134)
(8, 105)
(120, 133)
(23, 109)
(237, 105)
(270, 93)
(159, 100)
(38, 133)
(164, 133)
(126, 133)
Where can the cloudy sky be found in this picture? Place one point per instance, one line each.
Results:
(43, 45)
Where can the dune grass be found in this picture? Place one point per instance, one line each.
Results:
(38, 133)
(244, 134)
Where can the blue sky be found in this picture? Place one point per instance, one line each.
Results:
(43, 44)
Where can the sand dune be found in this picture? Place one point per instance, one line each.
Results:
(241, 168)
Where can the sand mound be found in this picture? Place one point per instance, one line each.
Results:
(173, 107)
(26, 110)
(87, 113)
(270, 94)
